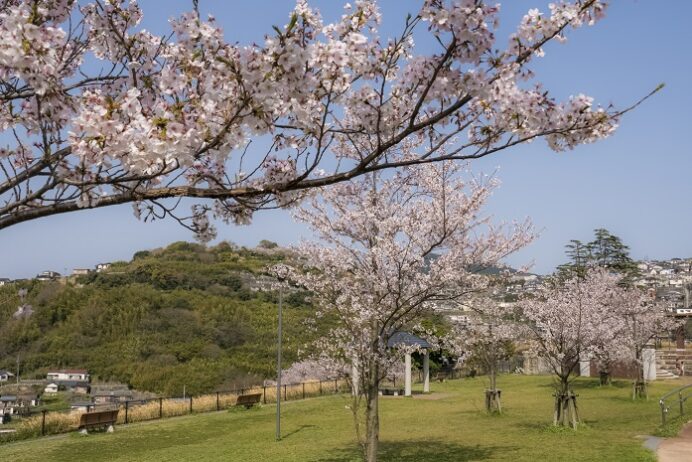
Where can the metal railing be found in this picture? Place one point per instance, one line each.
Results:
(682, 394)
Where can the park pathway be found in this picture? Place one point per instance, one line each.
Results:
(678, 449)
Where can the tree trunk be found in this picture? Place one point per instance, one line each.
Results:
(605, 377)
(372, 424)
(492, 395)
(566, 413)
(639, 387)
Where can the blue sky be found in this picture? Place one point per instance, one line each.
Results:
(635, 184)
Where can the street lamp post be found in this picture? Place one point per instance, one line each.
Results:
(278, 370)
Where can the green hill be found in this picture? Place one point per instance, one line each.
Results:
(184, 316)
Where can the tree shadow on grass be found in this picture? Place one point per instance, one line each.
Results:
(415, 451)
(302, 427)
(590, 384)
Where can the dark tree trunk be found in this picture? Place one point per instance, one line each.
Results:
(566, 413)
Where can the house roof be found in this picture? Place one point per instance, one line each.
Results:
(73, 383)
(69, 371)
(8, 398)
(3, 372)
(113, 393)
(405, 338)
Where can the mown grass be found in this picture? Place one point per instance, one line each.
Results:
(449, 425)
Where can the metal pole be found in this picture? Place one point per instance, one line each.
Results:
(160, 408)
(43, 423)
(217, 401)
(278, 371)
(127, 405)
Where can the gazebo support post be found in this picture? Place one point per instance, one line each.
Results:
(426, 372)
(407, 364)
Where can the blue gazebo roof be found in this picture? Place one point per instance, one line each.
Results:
(405, 338)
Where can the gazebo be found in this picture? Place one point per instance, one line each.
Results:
(407, 339)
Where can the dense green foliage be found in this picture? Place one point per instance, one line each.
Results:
(449, 425)
(185, 315)
(605, 251)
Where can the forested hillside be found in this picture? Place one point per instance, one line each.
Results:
(186, 315)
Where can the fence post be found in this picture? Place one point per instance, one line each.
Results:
(264, 393)
(682, 409)
(43, 423)
(190, 404)
(127, 406)
(335, 386)
(320, 388)
(160, 408)
(285, 394)
(217, 401)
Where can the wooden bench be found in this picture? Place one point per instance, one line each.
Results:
(98, 419)
(248, 400)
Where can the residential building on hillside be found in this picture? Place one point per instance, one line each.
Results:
(5, 376)
(51, 389)
(63, 375)
(4, 281)
(102, 267)
(48, 276)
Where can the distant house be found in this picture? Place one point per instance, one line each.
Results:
(62, 375)
(5, 376)
(81, 271)
(29, 399)
(51, 389)
(4, 281)
(112, 397)
(8, 405)
(75, 386)
(82, 406)
(48, 276)
(102, 267)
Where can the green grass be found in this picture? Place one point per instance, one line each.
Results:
(451, 427)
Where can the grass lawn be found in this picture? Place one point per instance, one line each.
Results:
(448, 425)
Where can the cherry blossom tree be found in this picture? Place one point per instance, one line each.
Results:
(570, 319)
(96, 111)
(489, 338)
(390, 248)
(641, 320)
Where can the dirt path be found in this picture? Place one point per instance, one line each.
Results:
(678, 449)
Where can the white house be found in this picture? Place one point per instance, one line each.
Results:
(4, 281)
(79, 375)
(80, 271)
(5, 376)
(51, 388)
(102, 267)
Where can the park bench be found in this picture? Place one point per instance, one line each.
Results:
(98, 419)
(248, 400)
(391, 391)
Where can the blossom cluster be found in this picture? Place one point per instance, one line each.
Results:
(175, 114)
